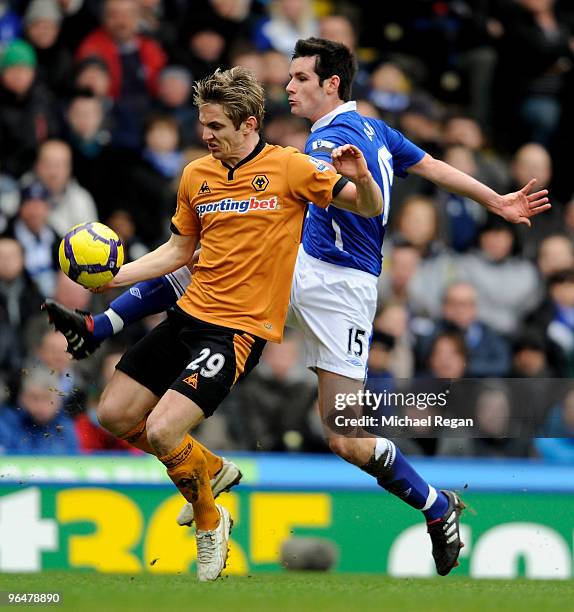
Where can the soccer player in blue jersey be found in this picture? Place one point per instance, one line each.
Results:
(334, 290)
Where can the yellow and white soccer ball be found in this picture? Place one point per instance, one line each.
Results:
(91, 254)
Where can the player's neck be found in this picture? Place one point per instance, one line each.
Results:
(325, 109)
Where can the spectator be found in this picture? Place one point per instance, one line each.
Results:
(499, 436)
(400, 267)
(488, 353)
(151, 182)
(555, 319)
(28, 113)
(507, 285)
(91, 437)
(462, 216)
(555, 253)
(37, 237)
(533, 161)
(558, 431)
(10, 24)
(529, 356)
(134, 63)
(288, 21)
(390, 91)
(43, 20)
(71, 204)
(19, 301)
(37, 425)
(275, 404)
(448, 356)
(174, 100)
(537, 55)
(393, 320)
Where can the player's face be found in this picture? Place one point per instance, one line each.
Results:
(219, 134)
(307, 98)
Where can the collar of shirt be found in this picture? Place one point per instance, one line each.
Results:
(326, 119)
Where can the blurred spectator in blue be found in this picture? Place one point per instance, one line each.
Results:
(134, 63)
(555, 319)
(38, 238)
(37, 425)
(390, 91)
(462, 216)
(537, 55)
(488, 353)
(42, 22)
(174, 100)
(558, 431)
(70, 202)
(151, 182)
(287, 21)
(10, 24)
(20, 299)
(28, 111)
(507, 285)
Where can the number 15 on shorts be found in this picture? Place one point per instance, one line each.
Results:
(355, 341)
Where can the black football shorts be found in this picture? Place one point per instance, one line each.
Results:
(199, 360)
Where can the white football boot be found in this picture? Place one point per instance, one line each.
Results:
(213, 547)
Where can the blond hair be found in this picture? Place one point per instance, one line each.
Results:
(237, 90)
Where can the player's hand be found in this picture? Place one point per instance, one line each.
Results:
(350, 162)
(520, 206)
(102, 288)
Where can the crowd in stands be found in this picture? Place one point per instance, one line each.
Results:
(97, 122)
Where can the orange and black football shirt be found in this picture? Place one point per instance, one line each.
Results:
(249, 220)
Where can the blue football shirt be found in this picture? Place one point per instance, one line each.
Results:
(338, 236)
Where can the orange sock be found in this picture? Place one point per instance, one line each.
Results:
(138, 437)
(214, 462)
(187, 467)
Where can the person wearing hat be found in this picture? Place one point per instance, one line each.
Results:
(42, 23)
(28, 111)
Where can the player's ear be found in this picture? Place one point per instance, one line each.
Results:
(334, 83)
(250, 125)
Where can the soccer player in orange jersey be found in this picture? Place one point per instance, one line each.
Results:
(246, 202)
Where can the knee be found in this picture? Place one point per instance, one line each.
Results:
(159, 433)
(108, 414)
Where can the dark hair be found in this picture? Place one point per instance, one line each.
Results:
(561, 276)
(331, 58)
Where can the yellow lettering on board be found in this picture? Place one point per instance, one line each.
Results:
(118, 522)
(274, 515)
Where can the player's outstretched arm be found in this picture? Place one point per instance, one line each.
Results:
(362, 195)
(168, 257)
(516, 207)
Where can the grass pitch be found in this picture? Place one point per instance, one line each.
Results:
(286, 592)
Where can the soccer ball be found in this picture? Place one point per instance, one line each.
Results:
(91, 254)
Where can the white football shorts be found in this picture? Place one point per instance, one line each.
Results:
(334, 307)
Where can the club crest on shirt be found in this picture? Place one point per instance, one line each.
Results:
(260, 182)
